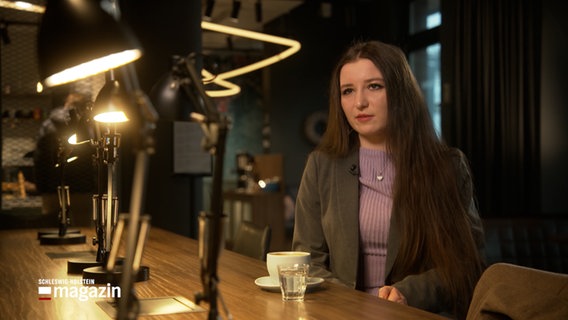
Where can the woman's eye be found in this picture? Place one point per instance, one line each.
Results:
(376, 86)
(346, 91)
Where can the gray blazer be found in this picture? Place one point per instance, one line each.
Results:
(327, 226)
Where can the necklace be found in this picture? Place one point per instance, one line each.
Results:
(380, 175)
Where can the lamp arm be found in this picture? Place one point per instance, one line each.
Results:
(62, 190)
(145, 147)
(207, 106)
(211, 233)
(215, 127)
(126, 309)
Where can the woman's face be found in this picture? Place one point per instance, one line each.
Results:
(364, 101)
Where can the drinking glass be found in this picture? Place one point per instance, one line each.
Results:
(293, 280)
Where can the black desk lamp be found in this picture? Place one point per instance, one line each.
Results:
(105, 141)
(63, 234)
(184, 78)
(108, 113)
(112, 107)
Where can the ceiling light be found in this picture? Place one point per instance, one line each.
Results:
(230, 88)
(293, 47)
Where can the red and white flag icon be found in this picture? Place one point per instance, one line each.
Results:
(44, 293)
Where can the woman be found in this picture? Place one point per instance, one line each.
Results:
(384, 206)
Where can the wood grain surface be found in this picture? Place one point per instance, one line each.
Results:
(174, 271)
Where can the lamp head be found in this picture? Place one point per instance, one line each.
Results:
(111, 104)
(78, 39)
(172, 104)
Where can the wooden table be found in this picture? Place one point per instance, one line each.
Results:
(174, 271)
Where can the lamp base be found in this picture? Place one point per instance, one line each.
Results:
(100, 275)
(44, 232)
(69, 238)
(77, 265)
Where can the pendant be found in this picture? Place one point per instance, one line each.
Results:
(380, 177)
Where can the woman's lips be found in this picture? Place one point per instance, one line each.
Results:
(363, 117)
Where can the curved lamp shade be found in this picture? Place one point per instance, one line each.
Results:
(78, 39)
(111, 104)
(169, 99)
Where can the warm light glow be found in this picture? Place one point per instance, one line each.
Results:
(71, 159)
(231, 88)
(111, 117)
(72, 139)
(294, 46)
(93, 67)
(198, 117)
(22, 6)
(262, 184)
(39, 87)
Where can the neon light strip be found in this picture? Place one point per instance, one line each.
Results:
(294, 46)
(232, 88)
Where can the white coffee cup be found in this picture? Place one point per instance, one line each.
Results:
(273, 259)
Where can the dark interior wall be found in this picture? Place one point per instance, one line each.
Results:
(164, 28)
(554, 104)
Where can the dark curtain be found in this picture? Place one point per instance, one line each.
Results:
(492, 111)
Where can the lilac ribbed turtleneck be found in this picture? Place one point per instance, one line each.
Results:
(375, 204)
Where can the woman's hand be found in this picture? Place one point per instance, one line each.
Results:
(391, 294)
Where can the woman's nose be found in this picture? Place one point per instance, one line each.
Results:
(361, 101)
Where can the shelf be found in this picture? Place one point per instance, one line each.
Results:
(11, 202)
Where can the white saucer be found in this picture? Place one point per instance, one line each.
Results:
(267, 283)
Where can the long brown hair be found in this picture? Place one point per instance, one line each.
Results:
(428, 195)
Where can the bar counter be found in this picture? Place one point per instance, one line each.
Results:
(174, 272)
